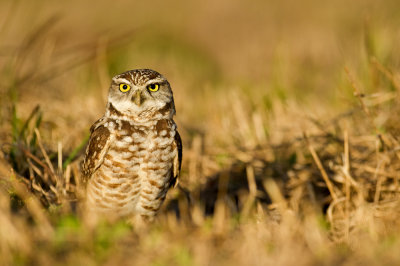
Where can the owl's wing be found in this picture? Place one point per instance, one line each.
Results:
(176, 168)
(97, 148)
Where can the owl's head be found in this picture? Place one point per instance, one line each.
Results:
(141, 94)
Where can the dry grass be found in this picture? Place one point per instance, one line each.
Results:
(288, 114)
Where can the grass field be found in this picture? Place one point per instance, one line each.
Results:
(288, 111)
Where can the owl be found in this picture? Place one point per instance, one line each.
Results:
(134, 153)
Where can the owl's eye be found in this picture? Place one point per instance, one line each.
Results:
(124, 87)
(153, 87)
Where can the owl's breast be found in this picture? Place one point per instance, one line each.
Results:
(136, 169)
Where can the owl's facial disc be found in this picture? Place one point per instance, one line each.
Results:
(141, 94)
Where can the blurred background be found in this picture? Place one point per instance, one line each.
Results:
(268, 94)
(62, 55)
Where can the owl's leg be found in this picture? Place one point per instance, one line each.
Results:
(140, 222)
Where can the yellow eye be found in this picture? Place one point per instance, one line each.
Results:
(153, 87)
(124, 87)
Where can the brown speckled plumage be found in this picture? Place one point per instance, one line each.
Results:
(135, 152)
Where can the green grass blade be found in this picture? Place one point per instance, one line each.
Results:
(75, 151)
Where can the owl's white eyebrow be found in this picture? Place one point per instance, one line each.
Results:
(121, 80)
(156, 80)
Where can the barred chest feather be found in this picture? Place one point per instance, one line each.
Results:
(136, 171)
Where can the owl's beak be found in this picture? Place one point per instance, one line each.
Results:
(137, 98)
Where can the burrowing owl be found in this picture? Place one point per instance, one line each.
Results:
(134, 153)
